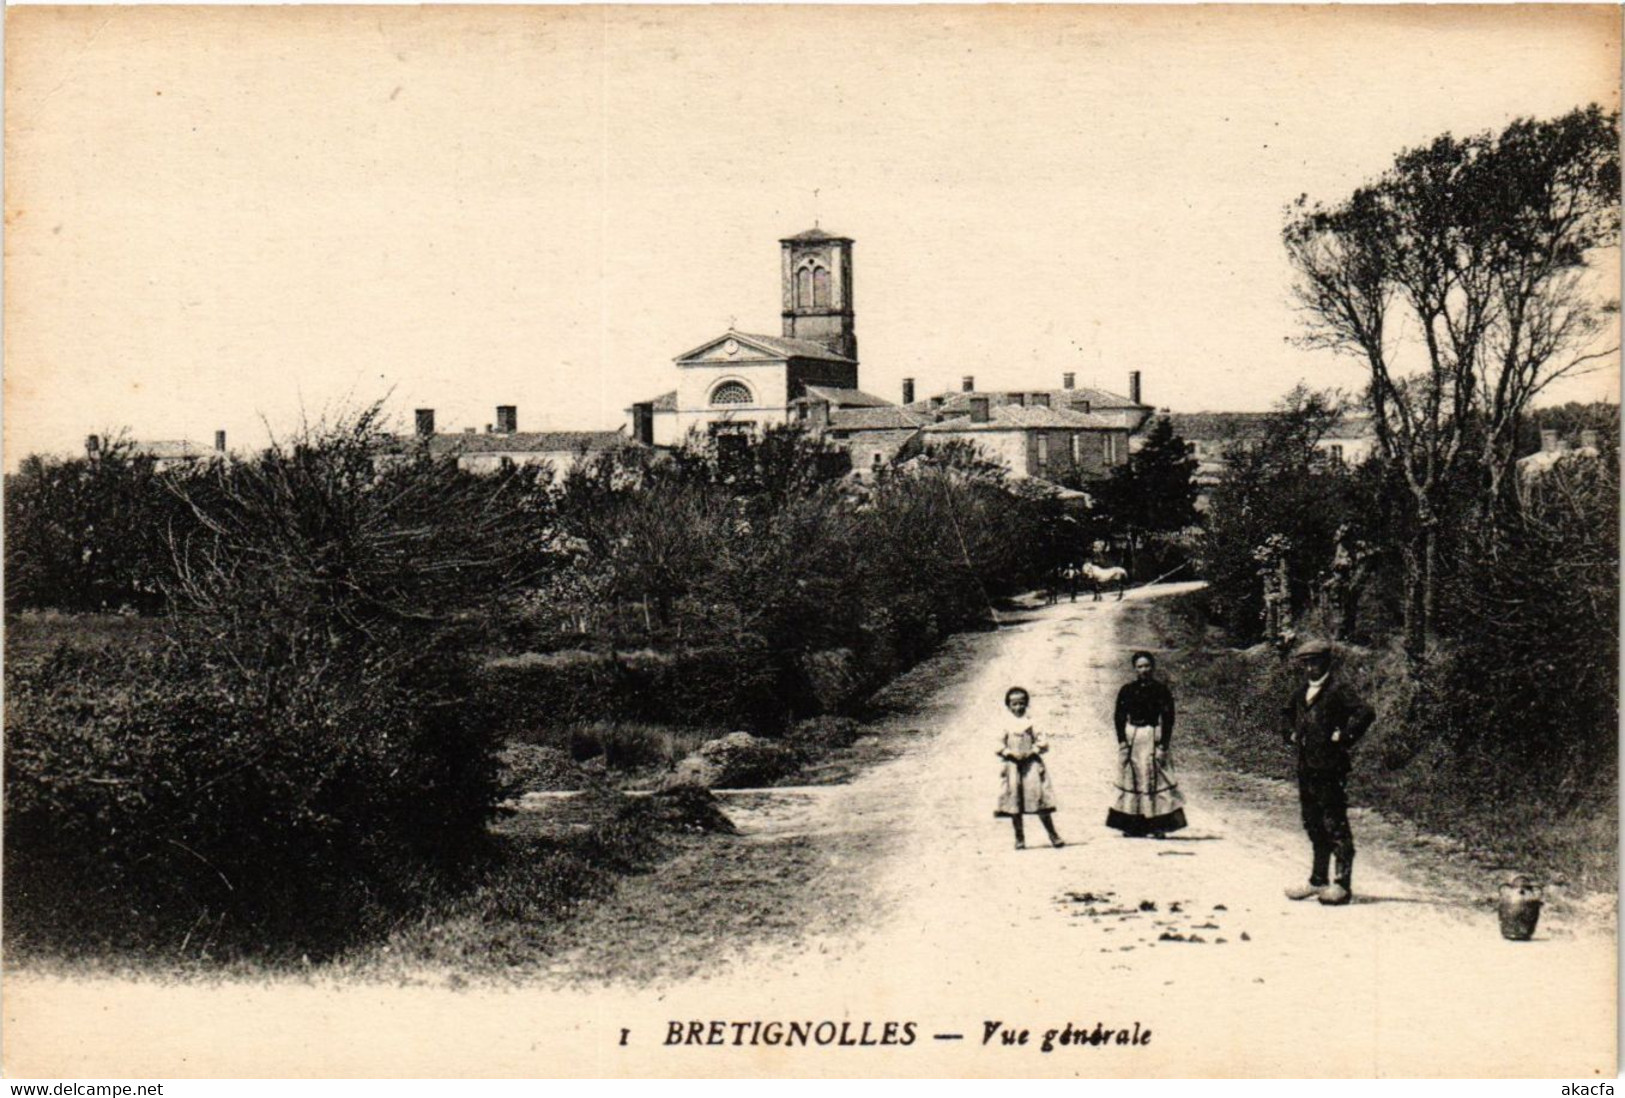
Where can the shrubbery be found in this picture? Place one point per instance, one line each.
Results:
(756, 586)
(299, 763)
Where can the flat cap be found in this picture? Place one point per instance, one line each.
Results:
(1312, 647)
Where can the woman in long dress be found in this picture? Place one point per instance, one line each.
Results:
(1025, 780)
(1148, 798)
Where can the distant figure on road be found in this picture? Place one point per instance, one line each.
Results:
(1099, 578)
(1026, 780)
(1148, 798)
(1072, 575)
(1324, 719)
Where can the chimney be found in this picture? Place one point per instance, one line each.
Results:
(1083, 406)
(978, 409)
(425, 422)
(936, 404)
(1134, 386)
(1068, 380)
(507, 419)
(1019, 399)
(643, 422)
(220, 442)
(1040, 400)
(1550, 443)
(968, 383)
(1588, 439)
(908, 390)
(93, 445)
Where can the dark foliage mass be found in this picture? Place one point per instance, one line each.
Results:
(1149, 504)
(88, 533)
(758, 585)
(297, 760)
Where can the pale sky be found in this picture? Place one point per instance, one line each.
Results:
(226, 218)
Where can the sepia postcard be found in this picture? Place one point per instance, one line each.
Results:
(811, 541)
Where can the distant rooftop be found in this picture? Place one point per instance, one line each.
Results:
(515, 442)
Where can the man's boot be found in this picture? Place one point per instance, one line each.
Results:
(1343, 891)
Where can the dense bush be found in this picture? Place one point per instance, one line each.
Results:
(300, 761)
(90, 533)
(1532, 673)
(757, 585)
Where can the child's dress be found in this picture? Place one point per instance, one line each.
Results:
(1026, 785)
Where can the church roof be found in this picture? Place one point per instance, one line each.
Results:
(792, 348)
(814, 235)
(882, 418)
(845, 398)
(778, 346)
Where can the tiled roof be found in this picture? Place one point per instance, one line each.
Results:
(169, 449)
(1221, 426)
(1217, 426)
(666, 402)
(846, 398)
(814, 235)
(1097, 399)
(518, 442)
(1015, 417)
(888, 444)
(885, 418)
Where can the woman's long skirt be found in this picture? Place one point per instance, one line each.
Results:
(1148, 796)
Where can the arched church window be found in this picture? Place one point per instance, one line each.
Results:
(804, 288)
(821, 287)
(732, 392)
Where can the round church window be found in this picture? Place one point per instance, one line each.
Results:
(731, 392)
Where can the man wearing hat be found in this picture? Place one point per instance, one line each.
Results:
(1324, 720)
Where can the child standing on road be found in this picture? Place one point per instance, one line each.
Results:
(1026, 785)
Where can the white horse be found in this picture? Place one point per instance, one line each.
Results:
(1097, 578)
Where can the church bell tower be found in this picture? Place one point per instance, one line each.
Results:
(818, 290)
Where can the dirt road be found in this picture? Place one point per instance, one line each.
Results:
(1190, 937)
(1189, 941)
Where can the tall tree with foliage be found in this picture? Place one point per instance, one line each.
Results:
(1460, 278)
(1154, 495)
(1276, 485)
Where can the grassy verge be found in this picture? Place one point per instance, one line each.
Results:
(1560, 826)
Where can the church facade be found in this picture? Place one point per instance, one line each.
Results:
(741, 382)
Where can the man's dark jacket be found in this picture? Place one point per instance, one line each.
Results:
(1311, 724)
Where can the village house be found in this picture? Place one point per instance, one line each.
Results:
(166, 454)
(502, 445)
(1212, 435)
